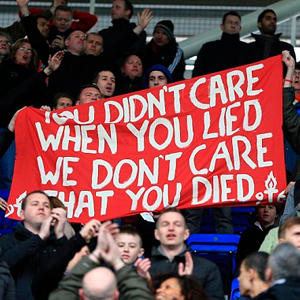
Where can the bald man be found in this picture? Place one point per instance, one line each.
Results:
(91, 289)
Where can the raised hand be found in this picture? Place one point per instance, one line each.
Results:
(288, 59)
(45, 228)
(90, 229)
(3, 204)
(59, 219)
(142, 267)
(187, 268)
(145, 17)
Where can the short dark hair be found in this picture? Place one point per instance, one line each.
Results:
(89, 85)
(257, 261)
(231, 13)
(131, 230)
(61, 95)
(170, 209)
(287, 224)
(129, 6)
(262, 14)
(63, 8)
(24, 201)
(190, 288)
(42, 16)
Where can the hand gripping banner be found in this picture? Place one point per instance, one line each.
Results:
(214, 140)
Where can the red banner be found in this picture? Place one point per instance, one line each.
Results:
(214, 140)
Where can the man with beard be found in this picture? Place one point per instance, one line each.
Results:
(267, 43)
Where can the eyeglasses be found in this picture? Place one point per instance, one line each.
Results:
(22, 48)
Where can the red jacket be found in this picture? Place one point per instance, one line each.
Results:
(83, 21)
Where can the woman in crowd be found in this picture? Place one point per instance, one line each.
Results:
(176, 287)
(21, 84)
(164, 50)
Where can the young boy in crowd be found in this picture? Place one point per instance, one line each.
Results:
(129, 243)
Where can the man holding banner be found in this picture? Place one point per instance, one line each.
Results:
(202, 142)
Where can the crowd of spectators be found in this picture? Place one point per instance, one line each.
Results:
(51, 59)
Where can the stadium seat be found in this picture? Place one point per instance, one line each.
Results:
(235, 291)
(221, 249)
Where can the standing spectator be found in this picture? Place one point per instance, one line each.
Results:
(5, 43)
(62, 100)
(94, 44)
(157, 75)
(36, 257)
(124, 36)
(129, 78)
(226, 53)
(267, 43)
(88, 93)
(172, 254)
(296, 83)
(93, 282)
(164, 50)
(79, 20)
(106, 82)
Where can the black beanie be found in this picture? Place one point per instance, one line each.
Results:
(168, 27)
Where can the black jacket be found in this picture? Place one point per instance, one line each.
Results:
(291, 120)
(250, 241)
(226, 53)
(170, 56)
(19, 87)
(120, 38)
(288, 290)
(7, 284)
(37, 265)
(264, 47)
(205, 271)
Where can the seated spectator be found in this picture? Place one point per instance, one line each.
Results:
(5, 43)
(164, 50)
(88, 93)
(62, 100)
(93, 44)
(174, 286)
(283, 274)
(173, 256)
(252, 279)
(124, 36)
(157, 75)
(252, 237)
(37, 256)
(129, 243)
(90, 280)
(288, 231)
(130, 77)
(106, 82)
